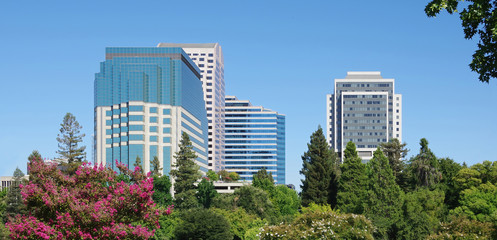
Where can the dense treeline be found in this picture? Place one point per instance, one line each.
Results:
(388, 197)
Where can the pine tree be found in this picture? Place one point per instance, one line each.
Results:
(14, 204)
(384, 198)
(138, 163)
(156, 169)
(352, 186)
(318, 170)
(395, 152)
(34, 155)
(185, 173)
(68, 139)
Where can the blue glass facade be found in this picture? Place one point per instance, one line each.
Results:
(141, 90)
(255, 139)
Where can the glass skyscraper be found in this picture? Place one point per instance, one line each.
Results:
(255, 139)
(145, 97)
(363, 109)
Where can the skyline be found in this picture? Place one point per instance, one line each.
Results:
(273, 52)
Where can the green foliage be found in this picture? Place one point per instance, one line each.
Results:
(478, 203)
(478, 18)
(205, 193)
(255, 201)
(285, 200)
(384, 198)
(14, 203)
(422, 210)
(34, 155)
(263, 180)
(424, 167)
(224, 201)
(162, 191)
(185, 174)
(467, 178)
(228, 176)
(167, 225)
(202, 224)
(462, 228)
(487, 170)
(319, 167)
(156, 169)
(317, 224)
(3, 205)
(396, 152)
(69, 138)
(242, 224)
(353, 182)
(449, 169)
(234, 176)
(138, 163)
(212, 175)
(4, 232)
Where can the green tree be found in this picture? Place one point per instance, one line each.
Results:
(464, 228)
(487, 170)
(69, 138)
(285, 200)
(467, 178)
(224, 201)
(3, 206)
(255, 201)
(353, 183)
(156, 169)
(234, 176)
(318, 168)
(167, 225)
(204, 224)
(138, 163)
(263, 180)
(205, 193)
(162, 191)
(424, 166)
(34, 155)
(449, 170)
(212, 176)
(185, 174)
(478, 18)
(14, 203)
(240, 222)
(479, 203)
(396, 152)
(384, 199)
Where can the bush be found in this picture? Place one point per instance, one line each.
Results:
(202, 224)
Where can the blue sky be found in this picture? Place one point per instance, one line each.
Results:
(283, 55)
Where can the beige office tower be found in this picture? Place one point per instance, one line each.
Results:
(209, 58)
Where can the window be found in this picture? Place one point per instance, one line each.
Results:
(136, 108)
(209, 78)
(166, 130)
(166, 121)
(210, 61)
(108, 122)
(108, 132)
(166, 111)
(211, 55)
(397, 123)
(153, 119)
(201, 59)
(108, 113)
(153, 138)
(201, 65)
(136, 137)
(153, 110)
(209, 71)
(136, 127)
(166, 140)
(136, 118)
(153, 128)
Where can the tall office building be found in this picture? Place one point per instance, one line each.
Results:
(364, 109)
(144, 99)
(209, 58)
(255, 139)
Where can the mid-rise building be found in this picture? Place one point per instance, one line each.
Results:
(145, 98)
(255, 139)
(364, 109)
(209, 59)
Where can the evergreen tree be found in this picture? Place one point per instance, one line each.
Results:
(185, 173)
(14, 204)
(395, 152)
(156, 169)
(263, 180)
(162, 191)
(385, 198)
(34, 155)
(318, 170)
(352, 186)
(449, 169)
(424, 166)
(138, 163)
(205, 193)
(68, 139)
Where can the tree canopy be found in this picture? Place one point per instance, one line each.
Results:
(69, 138)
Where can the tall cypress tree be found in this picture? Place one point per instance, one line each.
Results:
(384, 198)
(185, 174)
(352, 185)
(318, 170)
(69, 138)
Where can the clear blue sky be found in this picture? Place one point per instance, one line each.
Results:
(283, 55)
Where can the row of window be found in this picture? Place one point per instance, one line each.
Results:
(135, 109)
(136, 137)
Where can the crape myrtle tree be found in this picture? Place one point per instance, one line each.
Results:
(69, 138)
(185, 174)
(89, 204)
(320, 171)
(479, 18)
(352, 186)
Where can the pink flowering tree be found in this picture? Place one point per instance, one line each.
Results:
(90, 204)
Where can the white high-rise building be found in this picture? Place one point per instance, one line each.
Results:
(364, 109)
(209, 58)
